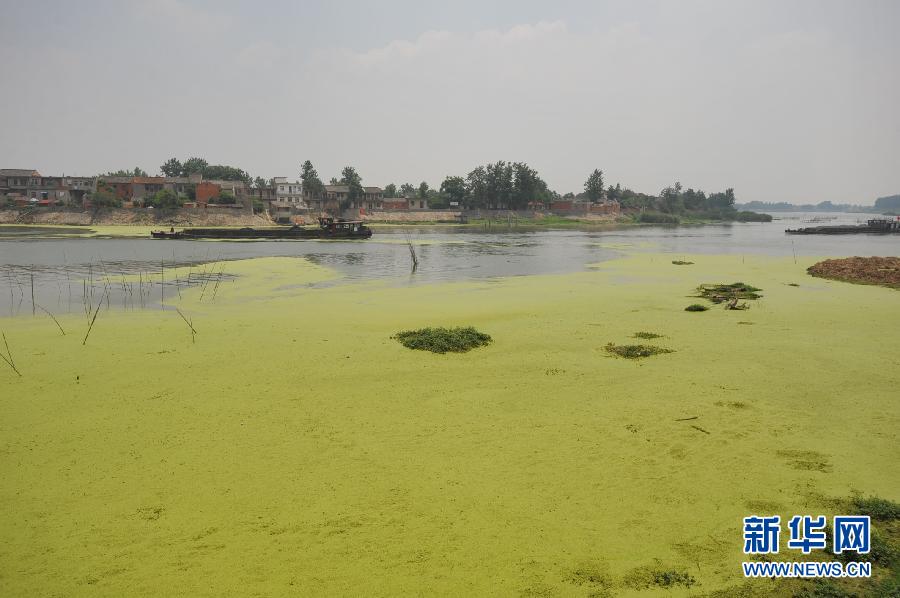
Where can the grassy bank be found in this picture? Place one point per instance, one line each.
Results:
(297, 449)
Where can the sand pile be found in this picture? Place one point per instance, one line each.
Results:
(862, 270)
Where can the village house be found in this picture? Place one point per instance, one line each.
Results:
(372, 199)
(405, 203)
(289, 193)
(138, 190)
(26, 186)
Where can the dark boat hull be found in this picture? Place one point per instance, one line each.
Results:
(263, 233)
(874, 226)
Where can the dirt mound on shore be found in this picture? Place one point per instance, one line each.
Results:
(883, 271)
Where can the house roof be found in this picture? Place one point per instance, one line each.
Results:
(337, 188)
(18, 172)
(373, 189)
(148, 180)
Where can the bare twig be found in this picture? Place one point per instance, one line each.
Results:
(94, 319)
(189, 323)
(54, 319)
(412, 253)
(31, 272)
(8, 358)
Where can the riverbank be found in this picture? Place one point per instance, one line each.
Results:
(134, 217)
(288, 452)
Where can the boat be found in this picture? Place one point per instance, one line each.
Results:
(875, 226)
(329, 228)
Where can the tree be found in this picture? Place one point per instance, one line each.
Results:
(390, 191)
(407, 190)
(422, 193)
(670, 199)
(333, 181)
(355, 190)
(226, 197)
(104, 198)
(476, 188)
(164, 199)
(593, 186)
(259, 183)
(172, 167)
(312, 184)
(193, 166)
(528, 187)
(128, 173)
(454, 190)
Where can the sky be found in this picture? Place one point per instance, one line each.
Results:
(785, 100)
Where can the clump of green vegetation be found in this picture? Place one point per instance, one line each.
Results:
(682, 263)
(646, 335)
(657, 218)
(635, 351)
(793, 284)
(443, 340)
(696, 307)
(717, 293)
(591, 573)
(877, 508)
(643, 578)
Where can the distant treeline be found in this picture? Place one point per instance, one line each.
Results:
(889, 204)
(497, 185)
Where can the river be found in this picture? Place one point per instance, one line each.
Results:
(446, 253)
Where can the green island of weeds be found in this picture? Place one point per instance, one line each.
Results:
(646, 335)
(636, 351)
(443, 340)
(290, 447)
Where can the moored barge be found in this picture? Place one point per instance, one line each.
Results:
(328, 228)
(876, 226)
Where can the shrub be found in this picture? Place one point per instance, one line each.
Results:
(682, 263)
(696, 307)
(443, 340)
(877, 508)
(636, 351)
(752, 217)
(657, 218)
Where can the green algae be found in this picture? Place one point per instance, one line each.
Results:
(296, 449)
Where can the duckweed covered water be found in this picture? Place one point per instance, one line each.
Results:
(295, 449)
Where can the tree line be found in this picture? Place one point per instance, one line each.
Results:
(496, 185)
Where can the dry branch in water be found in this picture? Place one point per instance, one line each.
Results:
(54, 319)
(8, 358)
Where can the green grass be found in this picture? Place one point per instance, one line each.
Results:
(443, 340)
(636, 351)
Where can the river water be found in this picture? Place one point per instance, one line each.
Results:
(56, 263)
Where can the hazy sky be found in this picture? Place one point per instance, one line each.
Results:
(782, 100)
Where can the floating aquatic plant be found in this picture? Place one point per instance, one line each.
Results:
(635, 351)
(443, 340)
